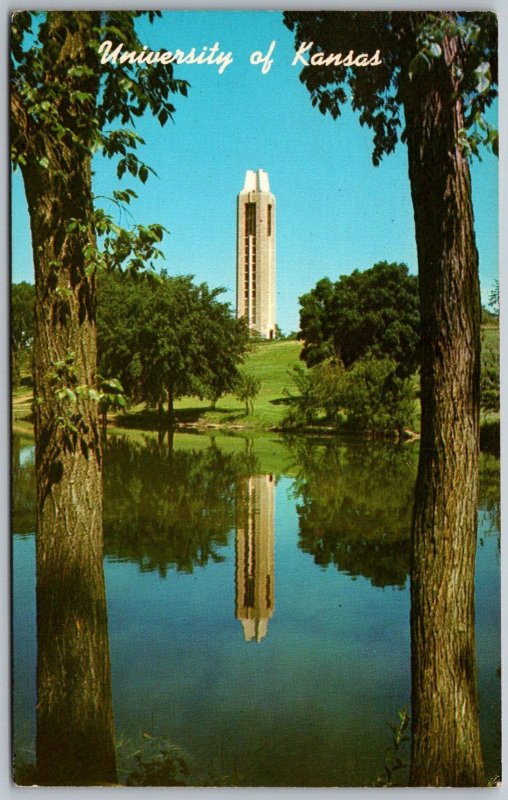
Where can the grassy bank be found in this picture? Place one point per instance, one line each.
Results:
(271, 362)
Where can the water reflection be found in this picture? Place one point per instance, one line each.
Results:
(354, 507)
(169, 509)
(255, 555)
(23, 485)
(195, 532)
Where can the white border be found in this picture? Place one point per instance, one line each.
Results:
(7, 789)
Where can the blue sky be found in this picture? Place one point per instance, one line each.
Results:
(335, 211)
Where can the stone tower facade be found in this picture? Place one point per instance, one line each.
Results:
(255, 254)
(255, 555)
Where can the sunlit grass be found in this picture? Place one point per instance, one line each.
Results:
(271, 362)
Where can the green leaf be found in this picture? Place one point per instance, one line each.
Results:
(483, 68)
(113, 384)
(482, 85)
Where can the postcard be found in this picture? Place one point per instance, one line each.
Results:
(255, 399)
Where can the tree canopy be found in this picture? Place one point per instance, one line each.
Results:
(167, 337)
(410, 44)
(22, 324)
(374, 312)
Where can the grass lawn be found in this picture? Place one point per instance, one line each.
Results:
(490, 338)
(271, 362)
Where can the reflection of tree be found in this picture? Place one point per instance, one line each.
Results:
(165, 508)
(355, 509)
(23, 487)
(490, 491)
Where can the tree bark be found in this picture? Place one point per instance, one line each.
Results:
(446, 747)
(75, 734)
(171, 405)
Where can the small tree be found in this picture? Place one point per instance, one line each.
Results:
(367, 398)
(375, 400)
(247, 389)
(494, 298)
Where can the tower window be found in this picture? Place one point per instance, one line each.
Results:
(269, 222)
(250, 219)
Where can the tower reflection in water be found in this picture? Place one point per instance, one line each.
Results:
(255, 556)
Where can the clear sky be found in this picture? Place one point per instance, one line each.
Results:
(335, 211)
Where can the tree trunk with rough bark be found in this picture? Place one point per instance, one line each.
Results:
(75, 734)
(446, 747)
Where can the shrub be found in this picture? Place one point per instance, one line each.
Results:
(366, 398)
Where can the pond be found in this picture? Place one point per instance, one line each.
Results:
(258, 604)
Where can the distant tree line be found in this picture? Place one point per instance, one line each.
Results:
(165, 337)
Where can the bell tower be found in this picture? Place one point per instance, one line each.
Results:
(255, 254)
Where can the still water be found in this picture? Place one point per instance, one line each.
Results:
(258, 603)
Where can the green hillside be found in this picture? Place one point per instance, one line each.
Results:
(272, 363)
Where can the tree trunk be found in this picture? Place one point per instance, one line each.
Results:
(446, 747)
(171, 406)
(104, 424)
(75, 735)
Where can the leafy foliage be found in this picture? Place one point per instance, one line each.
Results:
(367, 398)
(411, 43)
(374, 312)
(395, 754)
(22, 325)
(490, 392)
(494, 298)
(162, 764)
(65, 102)
(166, 337)
(376, 400)
(22, 315)
(93, 94)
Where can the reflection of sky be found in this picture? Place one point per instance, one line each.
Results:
(309, 703)
(27, 455)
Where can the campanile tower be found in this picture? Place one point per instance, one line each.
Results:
(255, 254)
